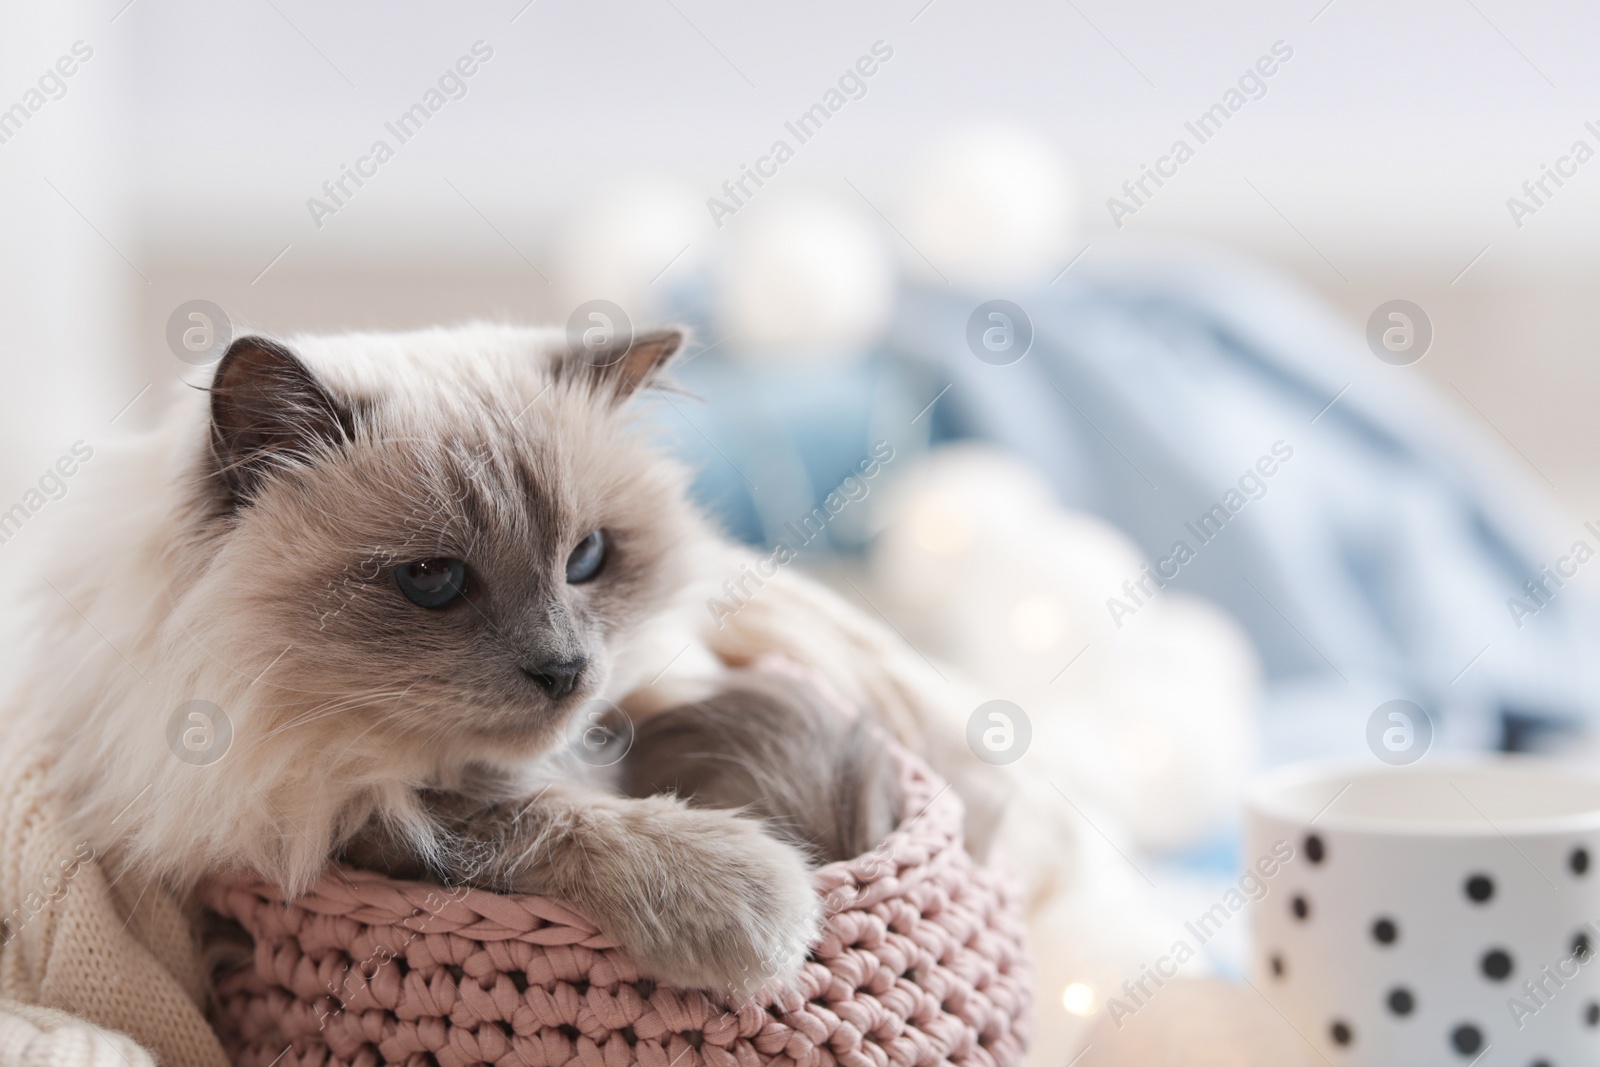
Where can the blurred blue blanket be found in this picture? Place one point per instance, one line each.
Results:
(1390, 557)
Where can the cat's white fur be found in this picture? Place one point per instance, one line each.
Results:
(115, 655)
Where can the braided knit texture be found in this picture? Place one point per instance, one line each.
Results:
(922, 962)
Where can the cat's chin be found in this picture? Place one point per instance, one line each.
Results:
(523, 734)
(502, 733)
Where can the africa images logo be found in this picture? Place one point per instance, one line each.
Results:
(1251, 85)
(851, 85)
(451, 85)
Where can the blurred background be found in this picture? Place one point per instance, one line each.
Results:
(1106, 278)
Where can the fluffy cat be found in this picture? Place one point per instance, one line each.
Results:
(393, 565)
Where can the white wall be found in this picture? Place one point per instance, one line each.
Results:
(68, 359)
(1395, 129)
(1380, 157)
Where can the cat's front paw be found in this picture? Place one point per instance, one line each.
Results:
(727, 907)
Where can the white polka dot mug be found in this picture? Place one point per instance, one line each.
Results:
(1443, 914)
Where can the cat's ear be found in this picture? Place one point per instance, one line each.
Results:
(627, 365)
(269, 411)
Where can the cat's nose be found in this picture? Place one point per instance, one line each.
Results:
(557, 677)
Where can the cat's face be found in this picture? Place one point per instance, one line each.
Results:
(450, 552)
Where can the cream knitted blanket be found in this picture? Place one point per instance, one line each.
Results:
(93, 972)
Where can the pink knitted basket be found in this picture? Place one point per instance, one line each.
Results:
(922, 962)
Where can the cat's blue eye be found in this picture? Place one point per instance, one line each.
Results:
(587, 559)
(432, 583)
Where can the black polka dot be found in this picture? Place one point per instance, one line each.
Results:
(1591, 1014)
(1479, 888)
(1581, 947)
(1300, 907)
(1400, 1001)
(1340, 1032)
(1314, 849)
(1578, 861)
(1466, 1039)
(1540, 1063)
(1496, 964)
(1277, 966)
(1384, 931)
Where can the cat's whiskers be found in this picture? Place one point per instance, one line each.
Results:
(328, 709)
